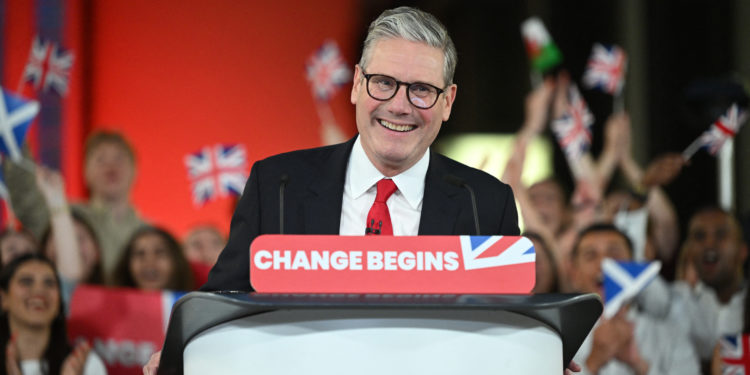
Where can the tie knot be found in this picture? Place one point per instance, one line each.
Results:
(386, 187)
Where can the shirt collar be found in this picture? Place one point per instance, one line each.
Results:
(362, 175)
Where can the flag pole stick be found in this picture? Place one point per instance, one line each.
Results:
(692, 149)
(536, 78)
(726, 168)
(330, 133)
(618, 104)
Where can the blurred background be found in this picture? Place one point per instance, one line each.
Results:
(177, 76)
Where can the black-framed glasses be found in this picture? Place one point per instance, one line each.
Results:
(421, 95)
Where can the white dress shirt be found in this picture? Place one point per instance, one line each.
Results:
(405, 205)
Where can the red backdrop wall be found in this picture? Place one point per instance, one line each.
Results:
(175, 76)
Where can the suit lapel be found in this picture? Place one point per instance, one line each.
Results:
(322, 205)
(439, 207)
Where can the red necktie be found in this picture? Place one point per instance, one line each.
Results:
(379, 219)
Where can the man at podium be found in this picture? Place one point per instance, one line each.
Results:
(385, 181)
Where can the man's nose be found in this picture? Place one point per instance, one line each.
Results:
(399, 103)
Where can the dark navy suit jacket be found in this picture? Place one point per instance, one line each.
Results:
(313, 198)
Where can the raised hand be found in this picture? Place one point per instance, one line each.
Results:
(537, 106)
(11, 358)
(75, 361)
(51, 185)
(153, 364)
(663, 169)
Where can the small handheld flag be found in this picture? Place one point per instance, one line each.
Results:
(573, 129)
(48, 66)
(605, 69)
(327, 71)
(16, 115)
(217, 171)
(735, 354)
(724, 128)
(540, 47)
(623, 281)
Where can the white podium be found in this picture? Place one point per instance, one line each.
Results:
(376, 334)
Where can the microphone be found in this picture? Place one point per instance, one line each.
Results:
(457, 181)
(282, 188)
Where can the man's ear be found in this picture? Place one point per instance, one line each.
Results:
(356, 83)
(449, 97)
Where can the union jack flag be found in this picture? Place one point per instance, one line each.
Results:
(48, 66)
(573, 129)
(624, 280)
(217, 171)
(722, 129)
(496, 251)
(606, 69)
(735, 358)
(327, 70)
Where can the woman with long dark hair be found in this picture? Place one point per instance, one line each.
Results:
(153, 260)
(32, 323)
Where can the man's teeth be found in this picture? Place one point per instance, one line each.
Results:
(396, 127)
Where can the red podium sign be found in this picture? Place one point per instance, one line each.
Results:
(392, 264)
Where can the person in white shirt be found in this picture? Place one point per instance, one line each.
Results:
(630, 342)
(712, 306)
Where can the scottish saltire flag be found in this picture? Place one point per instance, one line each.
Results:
(724, 128)
(217, 171)
(16, 115)
(327, 71)
(540, 47)
(623, 281)
(605, 69)
(735, 354)
(496, 251)
(48, 66)
(573, 129)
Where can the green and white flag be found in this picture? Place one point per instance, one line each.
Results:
(540, 47)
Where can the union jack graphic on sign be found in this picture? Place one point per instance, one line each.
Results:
(48, 66)
(496, 251)
(217, 171)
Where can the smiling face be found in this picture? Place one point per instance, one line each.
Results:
(151, 263)
(394, 133)
(713, 241)
(33, 296)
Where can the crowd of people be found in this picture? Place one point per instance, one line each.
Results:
(103, 241)
(672, 327)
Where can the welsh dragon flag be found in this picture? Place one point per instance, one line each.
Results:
(542, 51)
